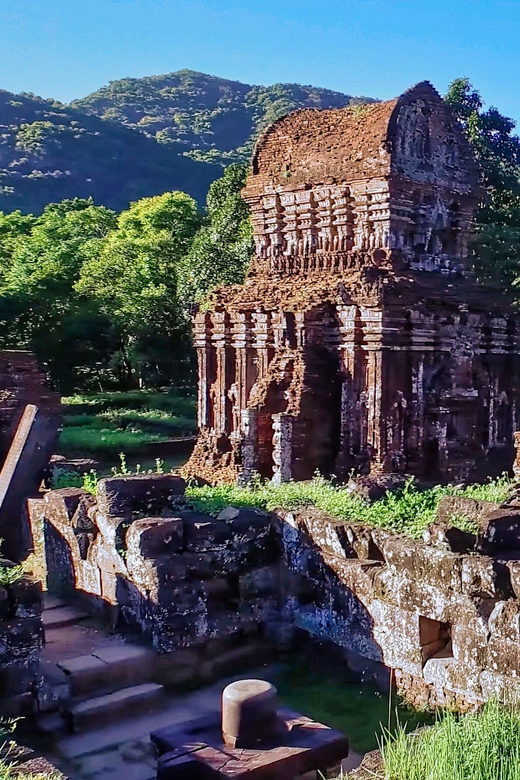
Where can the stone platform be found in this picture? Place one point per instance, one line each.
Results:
(195, 750)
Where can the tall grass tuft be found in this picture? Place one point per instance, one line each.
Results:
(479, 746)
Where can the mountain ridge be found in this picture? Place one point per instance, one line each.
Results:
(137, 137)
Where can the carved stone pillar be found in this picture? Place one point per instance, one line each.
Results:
(282, 447)
(248, 445)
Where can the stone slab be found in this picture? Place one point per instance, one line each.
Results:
(302, 745)
(21, 473)
(63, 616)
(119, 703)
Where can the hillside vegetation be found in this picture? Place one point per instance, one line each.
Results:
(203, 116)
(137, 137)
(50, 152)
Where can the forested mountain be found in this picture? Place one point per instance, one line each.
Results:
(137, 137)
(203, 116)
(49, 152)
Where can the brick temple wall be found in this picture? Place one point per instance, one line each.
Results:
(360, 339)
(21, 383)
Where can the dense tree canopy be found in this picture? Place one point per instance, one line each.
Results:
(134, 279)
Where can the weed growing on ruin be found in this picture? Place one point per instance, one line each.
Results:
(9, 575)
(478, 746)
(408, 510)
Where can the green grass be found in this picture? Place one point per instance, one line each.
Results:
(357, 709)
(480, 746)
(179, 425)
(169, 401)
(106, 440)
(409, 510)
(109, 423)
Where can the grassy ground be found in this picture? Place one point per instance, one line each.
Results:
(409, 510)
(357, 709)
(109, 423)
(482, 746)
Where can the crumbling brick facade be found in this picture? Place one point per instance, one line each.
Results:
(360, 338)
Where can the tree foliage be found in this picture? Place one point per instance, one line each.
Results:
(223, 247)
(38, 307)
(497, 150)
(134, 279)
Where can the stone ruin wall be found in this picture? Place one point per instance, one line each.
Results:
(439, 617)
(21, 640)
(201, 590)
(359, 339)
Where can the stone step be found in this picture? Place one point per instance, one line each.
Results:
(50, 601)
(127, 702)
(62, 616)
(109, 669)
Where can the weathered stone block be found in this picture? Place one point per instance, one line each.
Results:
(453, 675)
(153, 575)
(355, 574)
(460, 506)
(440, 569)
(258, 582)
(485, 577)
(200, 565)
(21, 636)
(514, 573)
(472, 614)
(323, 531)
(503, 656)
(500, 686)
(427, 600)
(250, 525)
(152, 536)
(500, 528)
(203, 532)
(68, 506)
(17, 677)
(400, 622)
(123, 495)
(358, 541)
(397, 653)
(441, 534)
(469, 647)
(504, 621)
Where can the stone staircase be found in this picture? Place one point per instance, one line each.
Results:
(90, 678)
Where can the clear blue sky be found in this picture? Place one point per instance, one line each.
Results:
(68, 48)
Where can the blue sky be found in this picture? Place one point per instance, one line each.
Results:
(68, 48)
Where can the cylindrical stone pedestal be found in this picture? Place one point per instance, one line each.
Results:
(248, 712)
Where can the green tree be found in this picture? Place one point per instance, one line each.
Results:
(497, 150)
(12, 227)
(223, 247)
(39, 308)
(134, 280)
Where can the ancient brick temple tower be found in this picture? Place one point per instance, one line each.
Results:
(359, 340)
